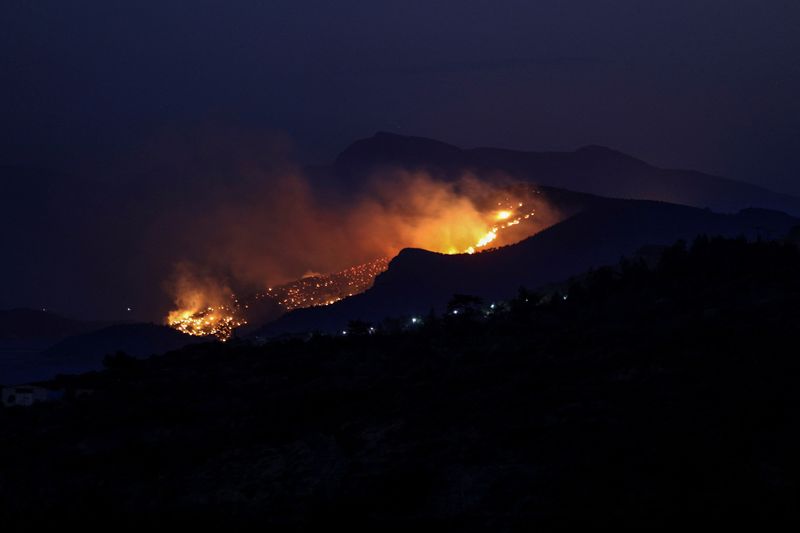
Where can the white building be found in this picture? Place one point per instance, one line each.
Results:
(24, 395)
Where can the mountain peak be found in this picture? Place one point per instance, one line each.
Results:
(592, 169)
(598, 148)
(390, 149)
(604, 153)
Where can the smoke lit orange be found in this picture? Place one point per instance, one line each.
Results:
(414, 210)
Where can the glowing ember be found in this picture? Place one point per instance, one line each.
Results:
(319, 290)
(504, 214)
(220, 321)
(217, 321)
(486, 239)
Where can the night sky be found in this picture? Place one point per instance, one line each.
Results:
(701, 84)
(410, 334)
(139, 112)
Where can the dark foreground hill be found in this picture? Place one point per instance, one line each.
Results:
(418, 280)
(137, 340)
(40, 345)
(25, 333)
(648, 398)
(591, 169)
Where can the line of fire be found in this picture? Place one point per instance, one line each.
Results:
(221, 320)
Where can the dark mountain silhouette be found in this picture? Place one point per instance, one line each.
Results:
(136, 340)
(31, 324)
(591, 169)
(652, 396)
(418, 280)
(37, 345)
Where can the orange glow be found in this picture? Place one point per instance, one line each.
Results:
(212, 321)
(417, 211)
(204, 307)
(486, 239)
(317, 290)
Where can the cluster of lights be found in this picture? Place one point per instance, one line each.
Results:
(371, 331)
(221, 321)
(314, 291)
(217, 321)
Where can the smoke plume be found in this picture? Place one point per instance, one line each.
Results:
(248, 222)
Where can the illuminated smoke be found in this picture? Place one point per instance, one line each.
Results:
(204, 307)
(269, 228)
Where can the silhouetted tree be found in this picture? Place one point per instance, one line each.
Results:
(794, 235)
(119, 361)
(358, 328)
(464, 305)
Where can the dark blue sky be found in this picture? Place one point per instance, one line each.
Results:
(706, 84)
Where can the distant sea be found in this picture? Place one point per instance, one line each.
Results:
(22, 362)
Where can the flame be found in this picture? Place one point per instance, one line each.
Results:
(219, 322)
(317, 290)
(204, 306)
(436, 217)
(491, 235)
(486, 239)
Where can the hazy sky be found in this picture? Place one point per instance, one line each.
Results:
(705, 84)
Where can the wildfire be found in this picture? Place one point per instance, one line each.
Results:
(486, 239)
(212, 321)
(220, 321)
(484, 221)
(319, 290)
(504, 214)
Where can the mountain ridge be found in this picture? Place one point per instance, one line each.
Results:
(592, 169)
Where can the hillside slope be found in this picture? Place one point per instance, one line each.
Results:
(418, 281)
(137, 340)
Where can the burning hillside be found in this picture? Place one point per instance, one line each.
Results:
(219, 321)
(440, 217)
(313, 291)
(310, 291)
